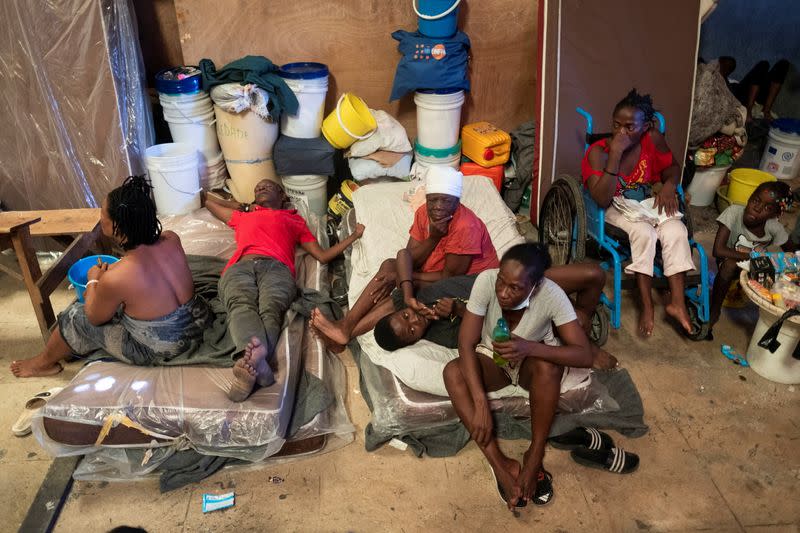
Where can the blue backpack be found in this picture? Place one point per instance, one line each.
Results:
(430, 63)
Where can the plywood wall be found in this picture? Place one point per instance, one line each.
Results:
(354, 38)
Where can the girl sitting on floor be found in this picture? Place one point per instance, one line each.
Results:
(744, 229)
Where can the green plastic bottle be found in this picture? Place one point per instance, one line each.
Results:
(501, 333)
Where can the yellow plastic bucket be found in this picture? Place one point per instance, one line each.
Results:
(744, 181)
(342, 201)
(349, 122)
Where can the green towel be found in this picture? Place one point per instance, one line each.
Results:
(257, 70)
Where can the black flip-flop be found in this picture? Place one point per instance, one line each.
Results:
(544, 489)
(589, 438)
(500, 492)
(615, 460)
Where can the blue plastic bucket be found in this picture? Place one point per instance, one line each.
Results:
(437, 18)
(77, 273)
(167, 81)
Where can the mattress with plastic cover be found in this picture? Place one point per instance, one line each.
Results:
(111, 404)
(406, 386)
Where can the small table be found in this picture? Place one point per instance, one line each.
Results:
(781, 366)
(16, 231)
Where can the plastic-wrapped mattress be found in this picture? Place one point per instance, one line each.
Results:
(114, 405)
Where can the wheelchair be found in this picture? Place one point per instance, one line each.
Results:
(570, 220)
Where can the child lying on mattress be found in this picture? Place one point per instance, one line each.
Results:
(141, 310)
(434, 313)
(446, 239)
(258, 285)
(534, 359)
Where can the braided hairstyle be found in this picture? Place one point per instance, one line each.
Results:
(780, 192)
(133, 213)
(642, 102)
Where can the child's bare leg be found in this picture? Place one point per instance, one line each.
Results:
(676, 308)
(647, 318)
(728, 271)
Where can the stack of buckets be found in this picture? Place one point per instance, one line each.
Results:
(190, 116)
(439, 110)
(309, 83)
(174, 173)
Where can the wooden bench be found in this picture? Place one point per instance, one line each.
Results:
(17, 228)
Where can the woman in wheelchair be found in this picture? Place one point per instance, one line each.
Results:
(629, 163)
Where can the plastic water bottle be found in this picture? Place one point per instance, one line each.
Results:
(501, 333)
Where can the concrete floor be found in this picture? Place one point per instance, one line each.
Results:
(722, 454)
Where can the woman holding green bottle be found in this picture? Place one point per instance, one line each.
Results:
(534, 357)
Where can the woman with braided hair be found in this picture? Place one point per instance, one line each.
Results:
(628, 164)
(141, 310)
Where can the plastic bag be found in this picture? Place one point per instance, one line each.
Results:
(430, 63)
(390, 136)
(235, 98)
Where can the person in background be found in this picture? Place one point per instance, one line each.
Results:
(743, 229)
(533, 306)
(761, 84)
(141, 310)
(628, 164)
(258, 283)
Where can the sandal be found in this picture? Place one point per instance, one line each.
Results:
(615, 460)
(589, 438)
(23, 424)
(500, 492)
(544, 489)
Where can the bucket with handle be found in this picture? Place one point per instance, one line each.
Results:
(743, 182)
(246, 140)
(349, 122)
(173, 171)
(438, 117)
(781, 156)
(309, 83)
(309, 190)
(78, 272)
(437, 18)
(425, 158)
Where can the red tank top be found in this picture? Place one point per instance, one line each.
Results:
(647, 170)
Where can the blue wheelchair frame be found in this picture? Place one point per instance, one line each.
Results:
(595, 228)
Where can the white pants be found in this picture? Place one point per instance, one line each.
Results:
(675, 250)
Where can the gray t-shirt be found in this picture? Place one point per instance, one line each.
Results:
(549, 305)
(741, 237)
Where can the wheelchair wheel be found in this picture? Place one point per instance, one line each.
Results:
(601, 320)
(699, 329)
(562, 223)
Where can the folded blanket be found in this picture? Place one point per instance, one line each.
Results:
(714, 104)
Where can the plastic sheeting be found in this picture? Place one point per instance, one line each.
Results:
(73, 99)
(174, 408)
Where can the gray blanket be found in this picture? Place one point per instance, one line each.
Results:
(447, 440)
(714, 104)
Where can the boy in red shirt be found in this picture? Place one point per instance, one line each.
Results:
(258, 285)
(446, 239)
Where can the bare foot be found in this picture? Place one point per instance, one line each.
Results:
(329, 344)
(646, 322)
(507, 474)
(603, 360)
(332, 330)
(244, 379)
(34, 367)
(679, 313)
(529, 476)
(255, 353)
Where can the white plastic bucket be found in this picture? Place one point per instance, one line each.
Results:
(173, 170)
(310, 190)
(246, 140)
(423, 159)
(213, 173)
(309, 83)
(704, 185)
(191, 119)
(438, 118)
(781, 156)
